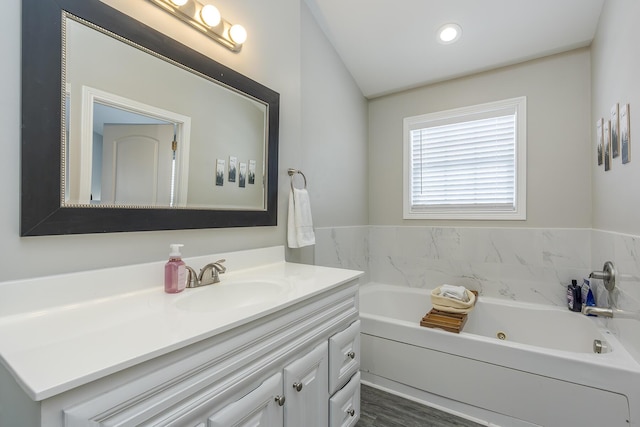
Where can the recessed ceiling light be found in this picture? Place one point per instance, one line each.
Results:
(449, 33)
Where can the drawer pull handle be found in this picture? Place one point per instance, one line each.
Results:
(351, 412)
(297, 386)
(280, 400)
(351, 355)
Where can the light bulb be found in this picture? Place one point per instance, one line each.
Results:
(238, 34)
(179, 2)
(449, 33)
(210, 15)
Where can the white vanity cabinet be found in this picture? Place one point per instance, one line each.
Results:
(298, 397)
(262, 407)
(284, 369)
(306, 389)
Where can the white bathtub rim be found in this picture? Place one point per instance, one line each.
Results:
(578, 367)
(373, 286)
(600, 324)
(617, 372)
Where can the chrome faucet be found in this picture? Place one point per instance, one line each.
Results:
(610, 312)
(214, 268)
(608, 277)
(598, 311)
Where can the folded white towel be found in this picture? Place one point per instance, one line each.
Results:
(455, 292)
(299, 224)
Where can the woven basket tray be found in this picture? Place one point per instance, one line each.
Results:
(452, 305)
(452, 322)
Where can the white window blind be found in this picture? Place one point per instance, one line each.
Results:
(465, 163)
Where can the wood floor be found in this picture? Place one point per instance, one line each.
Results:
(381, 409)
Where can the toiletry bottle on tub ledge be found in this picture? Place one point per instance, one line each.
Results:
(588, 297)
(574, 300)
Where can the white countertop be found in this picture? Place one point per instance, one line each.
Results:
(53, 349)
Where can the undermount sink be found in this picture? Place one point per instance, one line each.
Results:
(231, 295)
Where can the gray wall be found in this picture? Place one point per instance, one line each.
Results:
(615, 71)
(558, 138)
(271, 56)
(324, 132)
(334, 133)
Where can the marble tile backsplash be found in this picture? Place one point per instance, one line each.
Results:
(343, 247)
(624, 251)
(523, 264)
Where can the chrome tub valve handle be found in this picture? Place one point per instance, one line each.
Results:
(608, 275)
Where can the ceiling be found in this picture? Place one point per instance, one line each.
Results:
(391, 45)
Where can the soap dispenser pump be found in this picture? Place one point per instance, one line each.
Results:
(175, 271)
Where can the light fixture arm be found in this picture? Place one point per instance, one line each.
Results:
(190, 13)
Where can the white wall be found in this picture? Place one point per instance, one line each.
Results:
(615, 71)
(558, 138)
(271, 56)
(334, 136)
(334, 132)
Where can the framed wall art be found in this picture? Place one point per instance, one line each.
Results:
(625, 134)
(599, 142)
(606, 130)
(220, 164)
(615, 134)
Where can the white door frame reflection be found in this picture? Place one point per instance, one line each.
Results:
(100, 107)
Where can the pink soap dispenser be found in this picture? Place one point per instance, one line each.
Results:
(175, 272)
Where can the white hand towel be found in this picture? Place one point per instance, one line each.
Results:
(455, 292)
(299, 224)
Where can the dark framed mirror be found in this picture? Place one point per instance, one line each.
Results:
(54, 200)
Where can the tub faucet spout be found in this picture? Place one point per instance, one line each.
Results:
(598, 311)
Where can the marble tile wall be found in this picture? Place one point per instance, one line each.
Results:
(343, 247)
(524, 264)
(624, 251)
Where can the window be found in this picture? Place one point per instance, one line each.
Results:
(467, 163)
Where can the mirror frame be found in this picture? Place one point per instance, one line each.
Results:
(42, 212)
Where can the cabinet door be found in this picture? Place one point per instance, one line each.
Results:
(344, 356)
(261, 407)
(344, 406)
(306, 390)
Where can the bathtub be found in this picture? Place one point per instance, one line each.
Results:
(513, 364)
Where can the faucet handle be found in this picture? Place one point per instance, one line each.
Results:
(219, 267)
(192, 278)
(215, 268)
(607, 275)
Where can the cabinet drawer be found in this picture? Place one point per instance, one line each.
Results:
(258, 408)
(344, 406)
(344, 356)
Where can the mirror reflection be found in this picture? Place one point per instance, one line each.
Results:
(143, 131)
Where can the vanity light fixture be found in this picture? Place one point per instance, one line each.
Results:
(449, 33)
(206, 18)
(210, 15)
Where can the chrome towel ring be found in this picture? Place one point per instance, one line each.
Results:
(293, 172)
